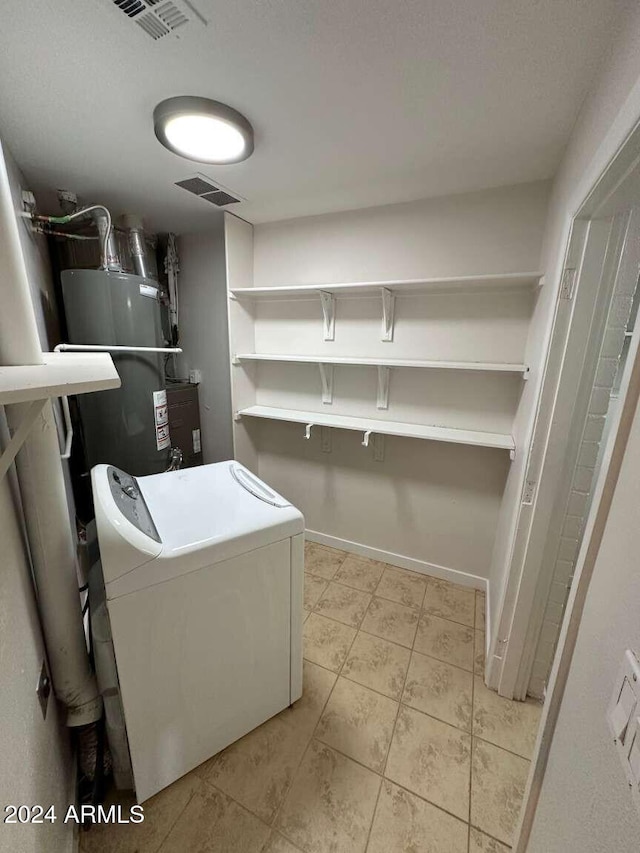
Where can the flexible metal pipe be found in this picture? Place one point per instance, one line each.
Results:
(103, 224)
(40, 475)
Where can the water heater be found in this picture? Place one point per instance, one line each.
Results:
(120, 427)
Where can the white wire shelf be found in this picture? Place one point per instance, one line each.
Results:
(462, 284)
(484, 366)
(60, 375)
(382, 427)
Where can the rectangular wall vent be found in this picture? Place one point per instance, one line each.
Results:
(205, 189)
(160, 18)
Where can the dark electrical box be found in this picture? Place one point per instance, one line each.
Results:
(184, 422)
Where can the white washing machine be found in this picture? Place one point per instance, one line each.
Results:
(203, 572)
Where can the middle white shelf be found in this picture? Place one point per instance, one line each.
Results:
(326, 365)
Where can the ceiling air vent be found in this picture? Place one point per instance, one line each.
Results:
(160, 18)
(205, 189)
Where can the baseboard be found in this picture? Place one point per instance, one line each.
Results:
(410, 563)
(488, 613)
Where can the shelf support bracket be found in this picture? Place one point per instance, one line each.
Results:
(328, 302)
(326, 376)
(388, 313)
(19, 436)
(307, 431)
(325, 439)
(512, 455)
(365, 440)
(383, 387)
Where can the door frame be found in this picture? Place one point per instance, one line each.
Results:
(591, 234)
(608, 190)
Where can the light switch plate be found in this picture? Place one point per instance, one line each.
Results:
(623, 717)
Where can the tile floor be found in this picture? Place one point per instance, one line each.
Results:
(395, 747)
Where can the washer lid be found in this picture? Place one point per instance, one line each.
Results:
(221, 507)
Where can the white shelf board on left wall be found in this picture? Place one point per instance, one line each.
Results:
(62, 374)
(486, 366)
(382, 427)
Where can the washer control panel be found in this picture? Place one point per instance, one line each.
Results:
(128, 498)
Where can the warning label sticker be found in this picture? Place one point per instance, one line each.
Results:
(161, 419)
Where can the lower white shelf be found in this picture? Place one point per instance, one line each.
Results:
(430, 433)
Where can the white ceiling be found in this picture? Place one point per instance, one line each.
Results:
(354, 102)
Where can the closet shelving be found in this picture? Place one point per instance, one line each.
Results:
(60, 374)
(254, 343)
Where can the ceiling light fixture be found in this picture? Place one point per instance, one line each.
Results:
(203, 130)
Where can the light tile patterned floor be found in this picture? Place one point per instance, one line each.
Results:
(395, 746)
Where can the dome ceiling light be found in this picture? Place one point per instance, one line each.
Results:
(203, 130)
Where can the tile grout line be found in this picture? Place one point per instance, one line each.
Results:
(381, 775)
(428, 802)
(411, 649)
(173, 825)
(277, 812)
(306, 749)
(421, 609)
(407, 705)
(346, 658)
(383, 779)
(373, 813)
(404, 684)
(387, 640)
(439, 660)
(313, 737)
(218, 790)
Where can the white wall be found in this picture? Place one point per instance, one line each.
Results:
(204, 335)
(35, 759)
(585, 803)
(606, 118)
(427, 501)
(494, 231)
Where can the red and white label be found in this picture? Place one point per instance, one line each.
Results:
(161, 419)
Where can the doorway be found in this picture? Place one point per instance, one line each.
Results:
(593, 339)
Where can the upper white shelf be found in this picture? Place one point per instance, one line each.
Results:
(383, 427)
(519, 281)
(486, 366)
(61, 374)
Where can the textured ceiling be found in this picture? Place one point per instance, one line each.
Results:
(354, 102)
